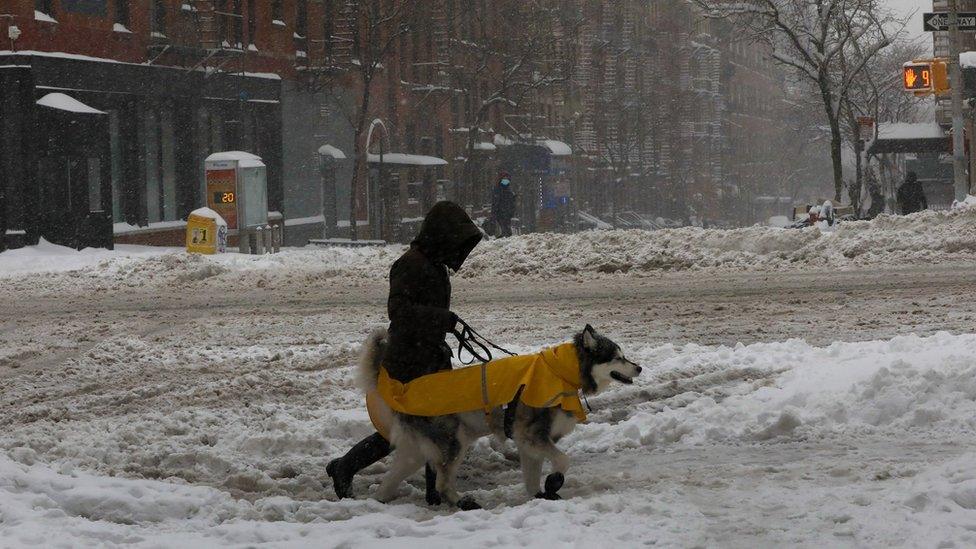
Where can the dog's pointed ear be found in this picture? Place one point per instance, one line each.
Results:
(589, 337)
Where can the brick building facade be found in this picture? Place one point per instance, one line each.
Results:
(645, 109)
(110, 107)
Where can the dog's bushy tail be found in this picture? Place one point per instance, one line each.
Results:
(370, 358)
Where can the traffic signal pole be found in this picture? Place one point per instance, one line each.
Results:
(958, 133)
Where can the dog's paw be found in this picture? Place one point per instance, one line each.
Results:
(551, 496)
(467, 503)
(433, 498)
(554, 482)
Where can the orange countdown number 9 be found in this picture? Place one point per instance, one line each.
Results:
(927, 79)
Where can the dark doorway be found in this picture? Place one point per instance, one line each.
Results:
(74, 178)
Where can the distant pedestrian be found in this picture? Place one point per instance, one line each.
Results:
(503, 205)
(911, 196)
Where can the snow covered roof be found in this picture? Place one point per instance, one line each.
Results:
(502, 141)
(334, 152)
(209, 214)
(967, 59)
(485, 146)
(557, 148)
(902, 137)
(243, 159)
(407, 159)
(67, 103)
(903, 130)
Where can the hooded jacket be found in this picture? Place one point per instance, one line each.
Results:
(503, 202)
(420, 293)
(548, 379)
(911, 196)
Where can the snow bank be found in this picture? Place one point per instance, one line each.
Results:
(922, 238)
(925, 237)
(51, 258)
(793, 391)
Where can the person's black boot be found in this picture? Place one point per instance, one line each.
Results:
(341, 478)
(430, 476)
(365, 453)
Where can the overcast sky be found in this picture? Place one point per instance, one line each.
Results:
(904, 7)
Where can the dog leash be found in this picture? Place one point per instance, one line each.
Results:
(468, 339)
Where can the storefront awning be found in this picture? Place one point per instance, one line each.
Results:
(403, 159)
(332, 152)
(66, 103)
(910, 138)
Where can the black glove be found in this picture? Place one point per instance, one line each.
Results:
(454, 323)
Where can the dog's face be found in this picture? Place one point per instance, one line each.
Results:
(606, 362)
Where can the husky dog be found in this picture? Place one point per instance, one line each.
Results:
(442, 441)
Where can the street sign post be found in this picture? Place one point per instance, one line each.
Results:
(866, 125)
(939, 21)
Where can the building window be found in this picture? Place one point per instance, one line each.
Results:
(301, 18)
(252, 22)
(159, 17)
(44, 6)
(122, 12)
(328, 26)
(277, 10)
(238, 24)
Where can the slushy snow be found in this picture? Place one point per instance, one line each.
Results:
(215, 431)
(162, 464)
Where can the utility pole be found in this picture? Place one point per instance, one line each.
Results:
(958, 133)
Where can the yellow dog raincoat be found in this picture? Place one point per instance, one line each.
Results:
(550, 378)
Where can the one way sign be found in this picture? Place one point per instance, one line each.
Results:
(940, 21)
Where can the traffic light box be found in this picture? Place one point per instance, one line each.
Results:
(926, 77)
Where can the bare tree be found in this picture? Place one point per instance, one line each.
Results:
(812, 37)
(877, 94)
(501, 58)
(376, 27)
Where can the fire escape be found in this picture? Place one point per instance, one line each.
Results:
(331, 54)
(586, 80)
(200, 36)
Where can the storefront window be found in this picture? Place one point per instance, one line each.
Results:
(115, 146)
(168, 165)
(153, 206)
(94, 185)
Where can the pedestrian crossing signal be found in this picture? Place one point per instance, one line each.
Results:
(926, 77)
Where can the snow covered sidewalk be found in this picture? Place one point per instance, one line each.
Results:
(150, 443)
(919, 239)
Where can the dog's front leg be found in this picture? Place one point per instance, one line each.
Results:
(447, 481)
(531, 470)
(555, 480)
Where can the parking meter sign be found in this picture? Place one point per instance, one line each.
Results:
(222, 194)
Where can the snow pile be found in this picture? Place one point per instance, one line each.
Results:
(793, 391)
(922, 238)
(51, 258)
(969, 202)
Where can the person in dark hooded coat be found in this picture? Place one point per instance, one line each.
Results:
(419, 307)
(911, 196)
(503, 205)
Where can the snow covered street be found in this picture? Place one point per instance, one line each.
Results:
(160, 400)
